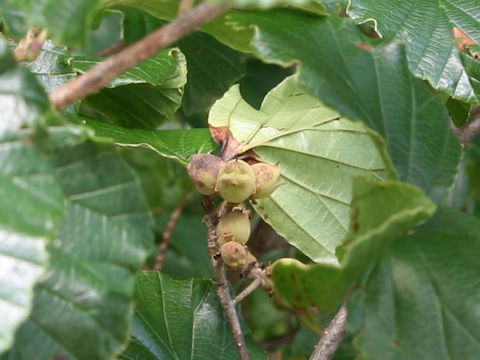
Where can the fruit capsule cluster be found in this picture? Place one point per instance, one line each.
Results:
(235, 181)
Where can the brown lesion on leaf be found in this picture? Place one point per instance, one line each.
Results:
(462, 40)
(364, 46)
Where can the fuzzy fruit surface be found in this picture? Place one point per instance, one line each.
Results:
(267, 179)
(204, 170)
(236, 181)
(235, 255)
(234, 226)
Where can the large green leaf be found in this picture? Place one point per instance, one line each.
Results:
(212, 66)
(187, 256)
(420, 299)
(426, 27)
(143, 96)
(31, 201)
(175, 144)
(66, 20)
(181, 320)
(221, 27)
(22, 100)
(381, 213)
(31, 205)
(319, 154)
(82, 308)
(365, 82)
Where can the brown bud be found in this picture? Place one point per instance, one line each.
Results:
(203, 170)
(267, 179)
(236, 181)
(234, 225)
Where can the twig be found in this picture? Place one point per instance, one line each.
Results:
(332, 337)
(468, 132)
(223, 293)
(247, 291)
(113, 49)
(103, 73)
(167, 234)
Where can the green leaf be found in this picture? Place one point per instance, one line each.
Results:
(82, 308)
(187, 254)
(31, 204)
(318, 6)
(143, 96)
(212, 66)
(212, 69)
(318, 152)
(22, 99)
(175, 144)
(365, 82)
(66, 20)
(381, 213)
(419, 300)
(181, 320)
(13, 19)
(52, 69)
(430, 42)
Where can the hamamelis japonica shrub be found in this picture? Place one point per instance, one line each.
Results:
(328, 146)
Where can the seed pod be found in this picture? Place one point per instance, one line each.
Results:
(234, 225)
(236, 181)
(236, 256)
(203, 170)
(267, 179)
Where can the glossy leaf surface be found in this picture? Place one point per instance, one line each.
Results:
(431, 40)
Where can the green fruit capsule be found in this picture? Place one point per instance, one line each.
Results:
(267, 179)
(236, 181)
(235, 225)
(203, 170)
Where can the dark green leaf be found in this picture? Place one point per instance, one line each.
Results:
(14, 22)
(365, 82)
(459, 111)
(430, 42)
(318, 152)
(420, 299)
(187, 254)
(31, 204)
(143, 96)
(181, 320)
(83, 306)
(212, 66)
(175, 144)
